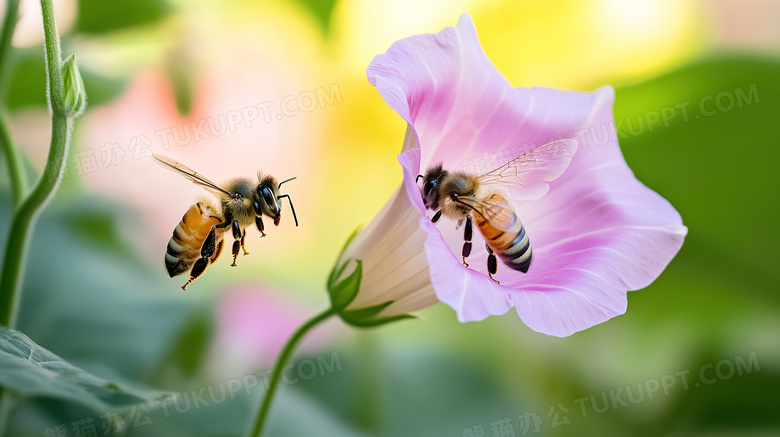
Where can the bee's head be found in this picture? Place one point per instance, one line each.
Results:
(266, 199)
(430, 187)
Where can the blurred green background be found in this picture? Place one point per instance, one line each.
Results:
(698, 99)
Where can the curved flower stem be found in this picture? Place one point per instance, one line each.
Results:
(25, 215)
(289, 347)
(9, 25)
(15, 169)
(27, 212)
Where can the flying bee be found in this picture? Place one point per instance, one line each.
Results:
(463, 196)
(198, 239)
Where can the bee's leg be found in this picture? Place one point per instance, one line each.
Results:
(209, 252)
(197, 270)
(243, 237)
(236, 241)
(436, 216)
(492, 263)
(218, 251)
(260, 226)
(467, 234)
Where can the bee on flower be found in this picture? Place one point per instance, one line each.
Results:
(597, 231)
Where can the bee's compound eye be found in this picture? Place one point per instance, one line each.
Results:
(429, 186)
(268, 196)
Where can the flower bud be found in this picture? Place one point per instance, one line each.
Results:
(75, 97)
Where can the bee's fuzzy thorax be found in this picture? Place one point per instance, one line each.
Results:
(241, 208)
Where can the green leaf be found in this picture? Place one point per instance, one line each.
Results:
(32, 371)
(368, 312)
(100, 16)
(344, 292)
(374, 323)
(366, 317)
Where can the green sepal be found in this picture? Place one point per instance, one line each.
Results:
(344, 292)
(338, 270)
(366, 317)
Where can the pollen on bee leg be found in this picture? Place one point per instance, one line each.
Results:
(466, 252)
(236, 247)
(243, 238)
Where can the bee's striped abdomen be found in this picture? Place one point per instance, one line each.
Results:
(184, 246)
(512, 245)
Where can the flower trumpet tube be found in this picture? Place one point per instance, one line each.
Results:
(394, 264)
(596, 231)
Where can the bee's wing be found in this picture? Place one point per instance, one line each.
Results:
(189, 173)
(528, 174)
(496, 210)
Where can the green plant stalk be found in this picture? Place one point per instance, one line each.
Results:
(289, 347)
(6, 35)
(26, 214)
(15, 169)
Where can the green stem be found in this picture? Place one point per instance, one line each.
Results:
(15, 169)
(6, 35)
(26, 214)
(279, 366)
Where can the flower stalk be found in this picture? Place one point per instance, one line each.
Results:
(26, 212)
(289, 347)
(15, 169)
(343, 290)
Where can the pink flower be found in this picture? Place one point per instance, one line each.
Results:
(597, 233)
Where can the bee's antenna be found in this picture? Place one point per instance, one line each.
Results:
(418, 178)
(280, 183)
(291, 205)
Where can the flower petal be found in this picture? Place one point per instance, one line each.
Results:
(597, 233)
(395, 267)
